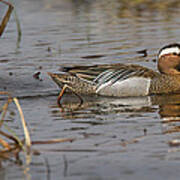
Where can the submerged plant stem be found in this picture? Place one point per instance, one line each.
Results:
(19, 32)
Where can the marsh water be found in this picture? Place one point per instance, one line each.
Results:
(114, 138)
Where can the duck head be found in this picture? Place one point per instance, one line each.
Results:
(169, 59)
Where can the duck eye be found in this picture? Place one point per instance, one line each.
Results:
(174, 53)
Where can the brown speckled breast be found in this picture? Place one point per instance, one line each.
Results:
(165, 84)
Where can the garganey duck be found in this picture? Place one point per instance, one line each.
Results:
(120, 80)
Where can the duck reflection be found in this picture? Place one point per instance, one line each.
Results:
(168, 107)
(168, 104)
(169, 111)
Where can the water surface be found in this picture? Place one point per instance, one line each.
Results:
(115, 138)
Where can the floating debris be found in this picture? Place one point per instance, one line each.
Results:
(93, 56)
(40, 67)
(143, 52)
(49, 49)
(10, 73)
(36, 76)
(145, 131)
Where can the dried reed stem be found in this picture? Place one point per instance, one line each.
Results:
(6, 17)
(26, 132)
(5, 107)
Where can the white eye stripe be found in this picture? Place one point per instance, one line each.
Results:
(169, 50)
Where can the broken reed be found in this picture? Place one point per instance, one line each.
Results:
(17, 144)
(6, 17)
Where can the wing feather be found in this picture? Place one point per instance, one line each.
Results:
(109, 73)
